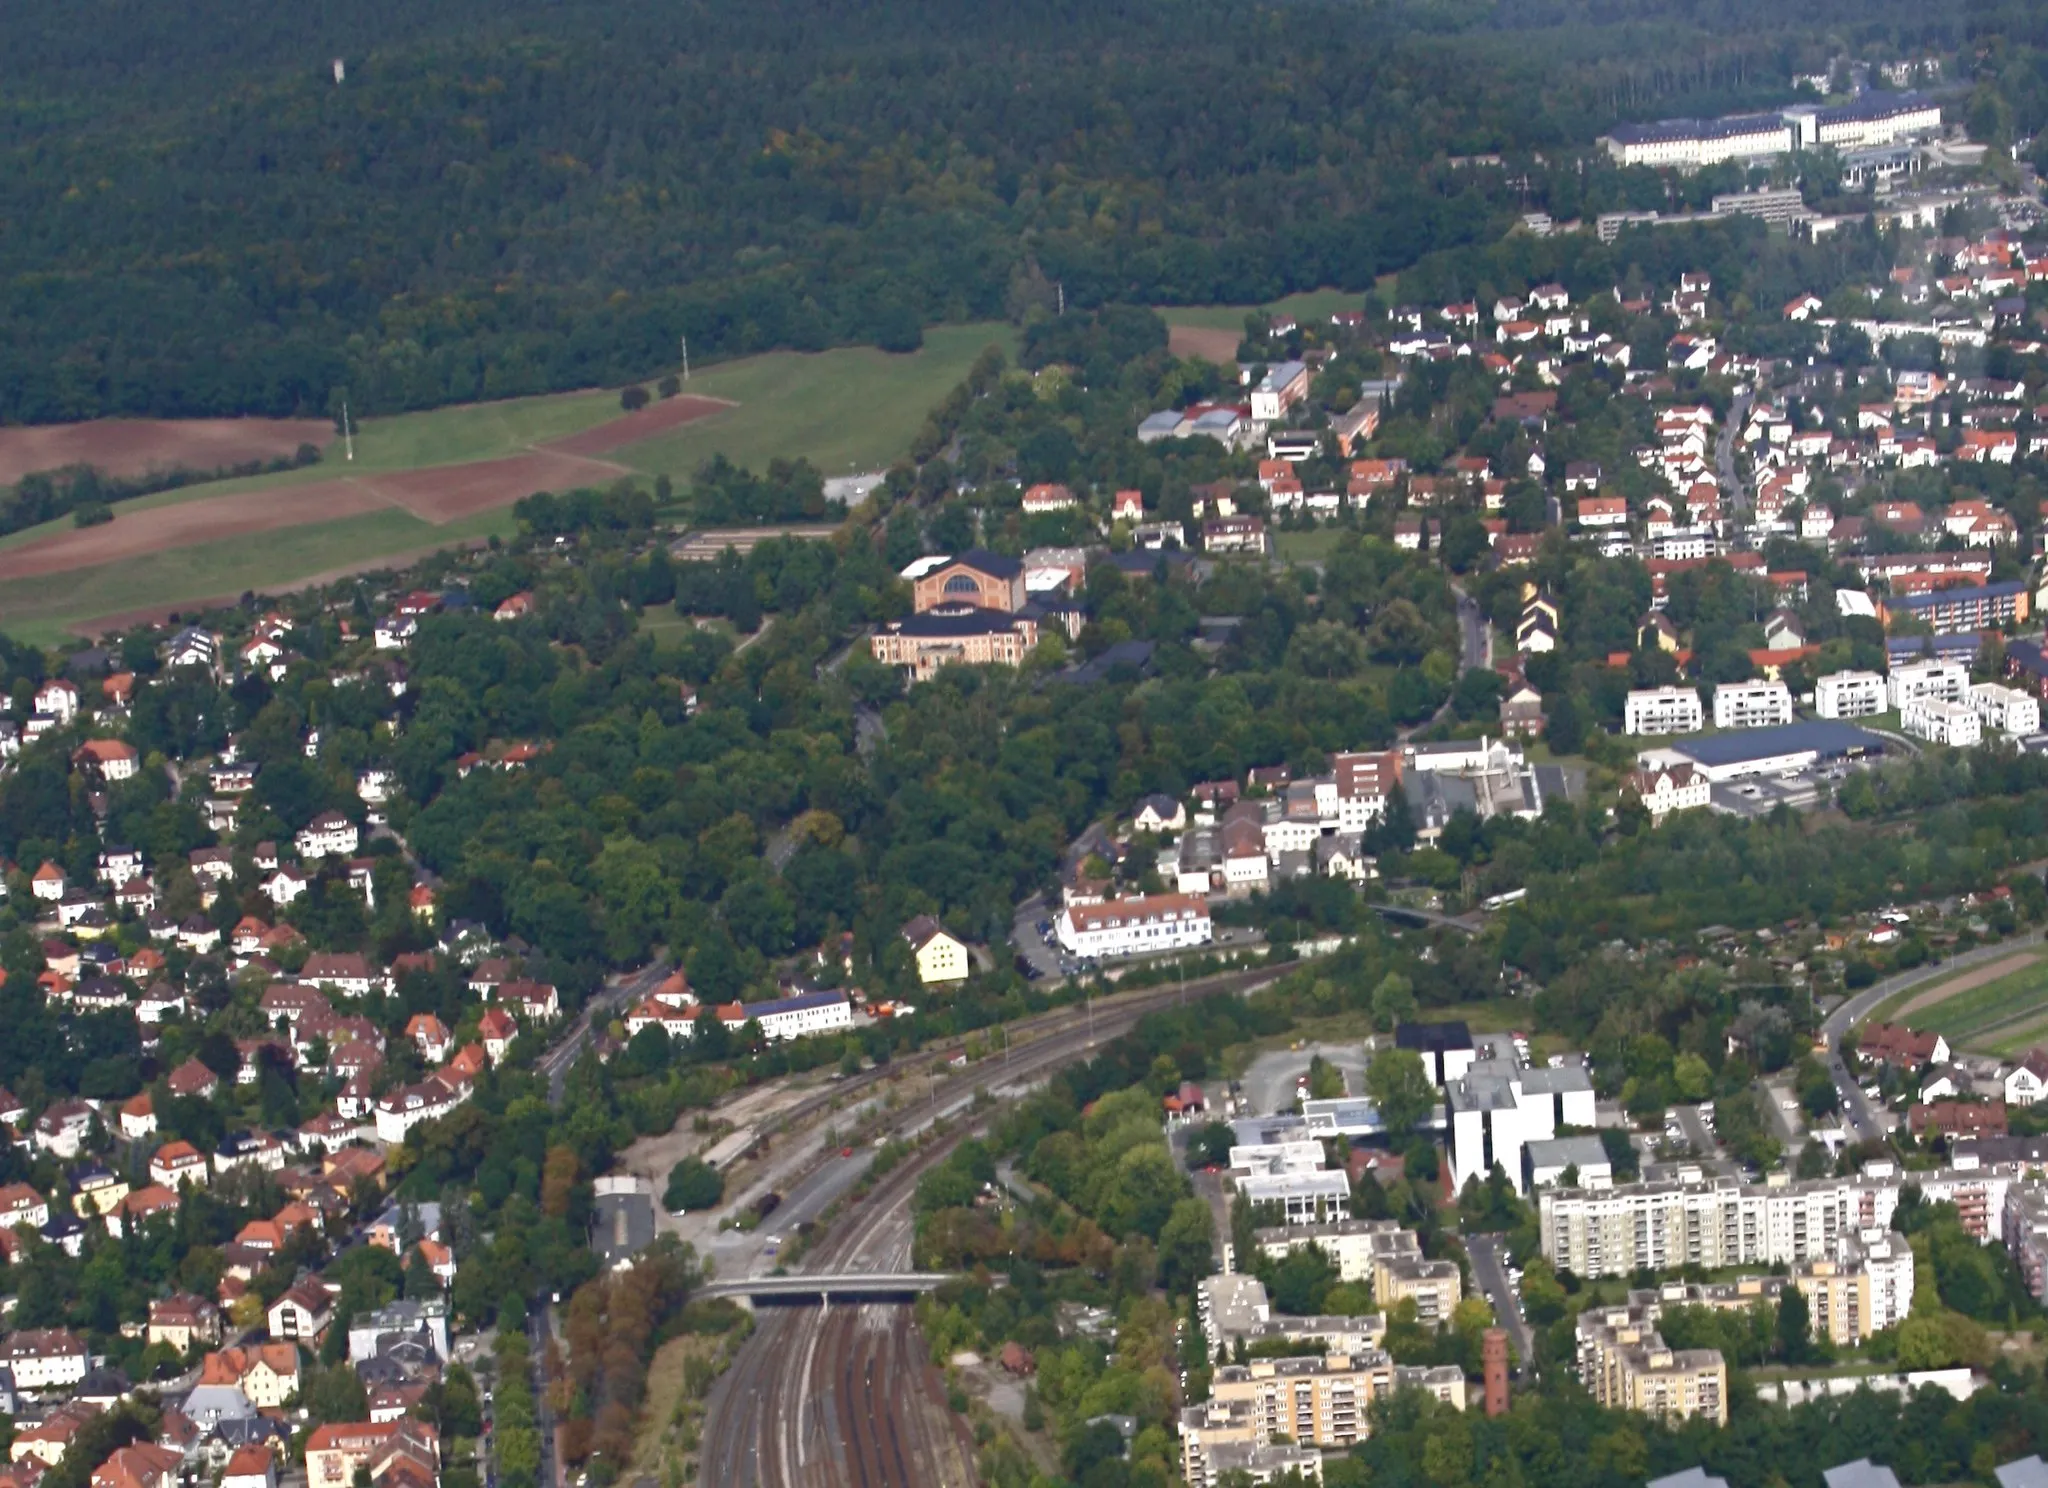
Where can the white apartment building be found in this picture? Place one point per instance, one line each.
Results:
(2006, 709)
(1849, 695)
(1752, 705)
(1724, 1222)
(1913, 680)
(1940, 721)
(1133, 927)
(1663, 710)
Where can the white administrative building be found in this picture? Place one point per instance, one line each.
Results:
(1135, 927)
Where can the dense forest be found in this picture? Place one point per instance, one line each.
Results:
(509, 196)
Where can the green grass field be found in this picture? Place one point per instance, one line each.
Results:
(1314, 304)
(850, 410)
(1997, 1017)
(1308, 547)
(40, 610)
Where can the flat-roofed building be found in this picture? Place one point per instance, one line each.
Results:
(1940, 721)
(1752, 705)
(1626, 1365)
(1663, 710)
(2006, 709)
(1849, 694)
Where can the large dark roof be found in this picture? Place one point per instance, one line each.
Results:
(1825, 737)
(1435, 1037)
(932, 625)
(983, 561)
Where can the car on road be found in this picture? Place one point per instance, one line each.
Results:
(846, 1152)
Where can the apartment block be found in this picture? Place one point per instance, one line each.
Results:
(1218, 1439)
(1234, 1306)
(1939, 721)
(1663, 710)
(1628, 1366)
(1912, 681)
(1752, 705)
(2006, 709)
(1724, 1222)
(2024, 1228)
(1322, 1401)
(1849, 695)
(1866, 1286)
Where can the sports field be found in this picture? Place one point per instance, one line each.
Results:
(424, 480)
(1999, 1008)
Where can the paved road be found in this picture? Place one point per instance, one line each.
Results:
(1724, 453)
(1476, 635)
(1489, 1271)
(1864, 1120)
(559, 1060)
(1695, 1129)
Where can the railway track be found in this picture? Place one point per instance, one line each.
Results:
(800, 1407)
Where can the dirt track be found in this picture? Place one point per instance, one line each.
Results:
(137, 446)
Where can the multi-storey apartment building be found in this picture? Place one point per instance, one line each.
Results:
(1627, 1365)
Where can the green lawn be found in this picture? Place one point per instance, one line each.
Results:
(1309, 546)
(849, 410)
(1993, 1015)
(39, 610)
(1314, 304)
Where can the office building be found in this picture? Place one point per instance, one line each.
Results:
(1500, 1105)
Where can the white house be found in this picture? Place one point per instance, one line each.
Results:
(1751, 704)
(1849, 694)
(405, 1108)
(1132, 927)
(2027, 1082)
(1664, 789)
(1939, 721)
(329, 833)
(58, 698)
(1914, 680)
(1663, 710)
(45, 1358)
(2006, 709)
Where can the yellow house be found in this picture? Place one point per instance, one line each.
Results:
(941, 957)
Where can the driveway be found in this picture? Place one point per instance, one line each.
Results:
(1695, 1129)
(1026, 941)
(1490, 1274)
(1269, 1083)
